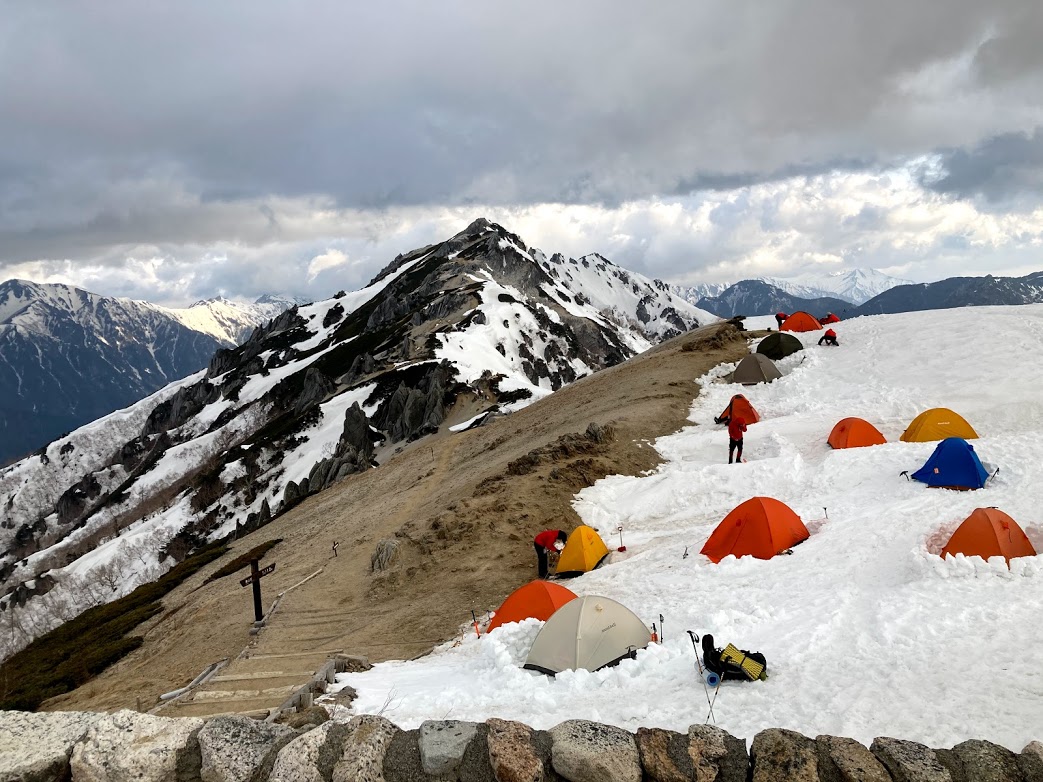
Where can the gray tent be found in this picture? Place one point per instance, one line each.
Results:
(589, 632)
(755, 368)
(779, 344)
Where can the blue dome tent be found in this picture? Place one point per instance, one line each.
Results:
(953, 465)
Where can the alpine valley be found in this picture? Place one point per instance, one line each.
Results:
(68, 356)
(446, 336)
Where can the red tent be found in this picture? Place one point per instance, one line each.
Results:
(538, 599)
(800, 321)
(989, 532)
(761, 527)
(855, 433)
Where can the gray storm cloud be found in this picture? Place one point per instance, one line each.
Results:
(192, 126)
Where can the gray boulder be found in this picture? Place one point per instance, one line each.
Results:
(363, 749)
(240, 749)
(311, 757)
(717, 755)
(664, 756)
(778, 754)
(131, 747)
(846, 760)
(1030, 761)
(443, 744)
(36, 747)
(908, 761)
(984, 761)
(586, 751)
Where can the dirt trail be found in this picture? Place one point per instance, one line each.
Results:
(462, 507)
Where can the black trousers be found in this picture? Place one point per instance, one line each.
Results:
(829, 341)
(734, 447)
(541, 557)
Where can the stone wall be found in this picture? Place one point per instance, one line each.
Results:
(127, 745)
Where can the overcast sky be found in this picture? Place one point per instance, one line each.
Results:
(175, 151)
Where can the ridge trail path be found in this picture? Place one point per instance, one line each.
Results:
(462, 508)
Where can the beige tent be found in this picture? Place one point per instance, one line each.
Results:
(589, 632)
(755, 368)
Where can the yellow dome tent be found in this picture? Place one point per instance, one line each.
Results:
(938, 423)
(584, 551)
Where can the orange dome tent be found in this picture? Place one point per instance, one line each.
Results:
(855, 433)
(760, 527)
(989, 532)
(800, 321)
(938, 423)
(537, 599)
(739, 406)
(830, 318)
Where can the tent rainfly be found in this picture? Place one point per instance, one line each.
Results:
(778, 345)
(989, 532)
(953, 465)
(760, 527)
(538, 600)
(855, 433)
(590, 632)
(800, 321)
(755, 368)
(937, 424)
(584, 551)
(739, 407)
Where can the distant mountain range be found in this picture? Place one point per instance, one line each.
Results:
(68, 356)
(855, 286)
(761, 297)
(958, 292)
(755, 297)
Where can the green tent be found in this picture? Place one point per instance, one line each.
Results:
(778, 345)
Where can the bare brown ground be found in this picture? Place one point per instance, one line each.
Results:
(464, 525)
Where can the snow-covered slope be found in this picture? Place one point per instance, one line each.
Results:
(231, 322)
(855, 285)
(867, 631)
(480, 323)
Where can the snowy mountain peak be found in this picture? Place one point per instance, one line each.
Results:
(480, 324)
(852, 285)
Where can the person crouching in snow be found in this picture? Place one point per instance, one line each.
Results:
(547, 541)
(830, 338)
(736, 427)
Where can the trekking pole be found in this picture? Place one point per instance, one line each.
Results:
(825, 511)
(685, 555)
(702, 676)
(475, 620)
(662, 635)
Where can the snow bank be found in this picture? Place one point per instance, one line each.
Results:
(866, 632)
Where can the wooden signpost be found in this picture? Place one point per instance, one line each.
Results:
(256, 573)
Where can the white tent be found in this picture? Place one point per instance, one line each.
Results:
(589, 632)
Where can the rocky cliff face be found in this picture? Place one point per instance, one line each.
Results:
(478, 325)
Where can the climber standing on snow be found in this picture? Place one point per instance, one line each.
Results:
(780, 318)
(736, 427)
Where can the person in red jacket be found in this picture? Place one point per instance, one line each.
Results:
(735, 429)
(830, 338)
(780, 317)
(547, 541)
